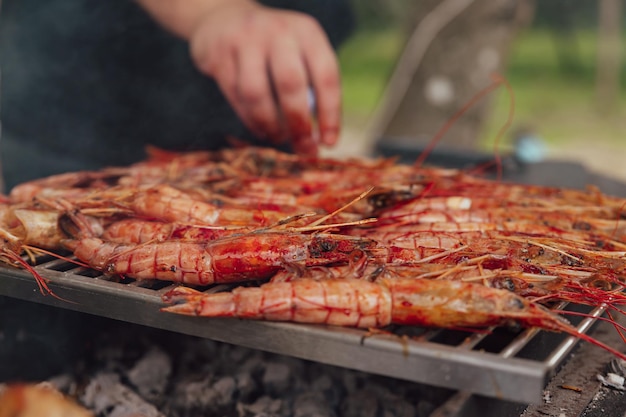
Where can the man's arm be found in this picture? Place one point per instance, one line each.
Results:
(264, 60)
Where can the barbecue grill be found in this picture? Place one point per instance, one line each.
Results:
(498, 364)
(502, 364)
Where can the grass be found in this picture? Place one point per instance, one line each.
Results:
(556, 97)
(366, 61)
(554, 92)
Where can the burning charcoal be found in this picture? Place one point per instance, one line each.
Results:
(151, 373)
(312, 404)
(360, 404)
(264, 406)
(276, 378)
(106, 395)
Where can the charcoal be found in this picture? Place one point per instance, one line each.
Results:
(63, 383)
(425, 408)
(396, 406)
(276, 377)
(253, 365)
(312, 404)
(238, 354)
(263, 407)
(107, 396)
(225, 389)
(331, 389)
(350, 381)
(246, 386)
(205, 395)
(138, 371)
(360, 404)
(151, 373)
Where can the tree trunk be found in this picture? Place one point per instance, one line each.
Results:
(609, 51)
(456, 47)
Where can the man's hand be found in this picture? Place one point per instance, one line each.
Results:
(264, 60)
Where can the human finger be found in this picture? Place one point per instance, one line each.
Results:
(305, 145)
(323, 69)
(290, 80)
(254, 93)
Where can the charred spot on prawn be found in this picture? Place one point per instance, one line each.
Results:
(333, 246)
(504, 283)
(570, 261)
(321, 245)
(603, 244)
(386, 199)
(379, 271)
(516, 303)
(581, 225)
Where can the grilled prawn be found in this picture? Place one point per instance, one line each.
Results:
(364, 304)
(245, 257)
(360, 303)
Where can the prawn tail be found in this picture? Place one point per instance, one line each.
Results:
(190, 302)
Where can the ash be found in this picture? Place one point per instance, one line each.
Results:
(118, 369)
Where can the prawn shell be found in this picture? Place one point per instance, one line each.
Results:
(449, 304)
(24, 400)
(40, 227)
(307, 301)
(348, 302)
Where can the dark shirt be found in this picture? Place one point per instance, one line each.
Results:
(87, 84)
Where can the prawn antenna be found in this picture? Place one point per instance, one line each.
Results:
(496, 82)
(620, 213)
(621, 330)
(503, 129)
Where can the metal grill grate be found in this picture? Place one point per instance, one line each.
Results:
(500, 363)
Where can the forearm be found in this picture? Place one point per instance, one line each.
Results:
(182, 16)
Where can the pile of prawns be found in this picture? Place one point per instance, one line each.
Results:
(358, 242)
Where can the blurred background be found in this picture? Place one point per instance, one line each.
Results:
(410, 66)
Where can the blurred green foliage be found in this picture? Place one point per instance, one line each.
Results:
(367, 60)
(554, 97)
(552, 73)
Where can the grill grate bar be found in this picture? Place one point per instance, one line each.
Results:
(519, 342)
(526, 336)
(446, 358)
(472, 341)
(555, 358)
